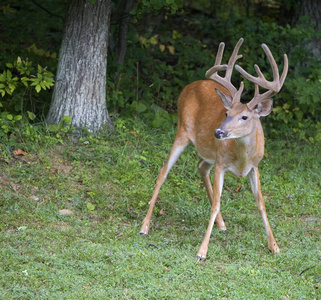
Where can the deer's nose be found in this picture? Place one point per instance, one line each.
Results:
(219, 133)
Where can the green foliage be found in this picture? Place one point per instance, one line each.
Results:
(154, 6)
(26, 77)
(20, 87)
(22, 79)
(151, 85)
(19, 132)
(164, 119)
(301, 109)
(61, 130)
(41, 52)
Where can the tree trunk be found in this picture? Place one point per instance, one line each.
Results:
(80, 89)
(311, 9)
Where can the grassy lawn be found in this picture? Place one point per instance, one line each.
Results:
(104, 184)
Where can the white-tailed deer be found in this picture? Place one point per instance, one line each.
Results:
(226, 133)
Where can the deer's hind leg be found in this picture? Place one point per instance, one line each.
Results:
(179, 145)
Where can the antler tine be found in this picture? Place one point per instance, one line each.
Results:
(217, 65)
(285, 69)
(274, 86)
(219, 55)
(226, 80)
(276, 76)
(234, 57)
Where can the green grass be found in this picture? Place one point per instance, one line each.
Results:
(97, 252)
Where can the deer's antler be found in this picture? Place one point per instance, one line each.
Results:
(273, 87)
(226, 80)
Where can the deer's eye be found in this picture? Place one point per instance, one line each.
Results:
(244, 118)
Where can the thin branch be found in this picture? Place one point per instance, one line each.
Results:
(153, 245)
(307, 270)
(46, 10)
(283, 269)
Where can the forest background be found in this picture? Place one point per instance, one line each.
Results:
(155, 48)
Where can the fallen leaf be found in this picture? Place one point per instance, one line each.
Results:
(66, 212)
(14, 186)
(161, 212)
(238, 188)
(134, 133)
(19, 152)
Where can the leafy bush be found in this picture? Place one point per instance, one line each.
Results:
(20, 87)
(21, 76)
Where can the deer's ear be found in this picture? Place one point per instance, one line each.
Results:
(264, 107)
(226, 99)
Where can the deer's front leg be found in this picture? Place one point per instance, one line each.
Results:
(204, 169)
(254, 177)
(215, 209)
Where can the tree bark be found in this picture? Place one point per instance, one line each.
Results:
(310, 8)
(80, 88)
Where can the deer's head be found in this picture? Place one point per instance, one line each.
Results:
(241, 119)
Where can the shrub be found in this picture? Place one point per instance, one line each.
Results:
(21, 86)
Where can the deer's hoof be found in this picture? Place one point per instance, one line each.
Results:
(274, 248)
(200, 258)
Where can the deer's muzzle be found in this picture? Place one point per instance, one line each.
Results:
(219, 133)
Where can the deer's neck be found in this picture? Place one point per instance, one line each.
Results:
(249, 151)
(251, 144)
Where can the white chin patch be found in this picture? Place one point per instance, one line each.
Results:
(232, 136)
